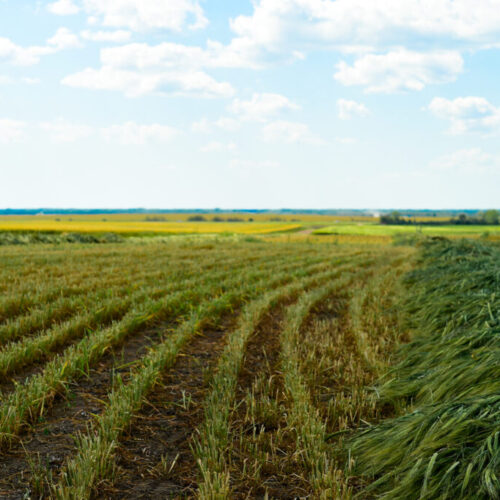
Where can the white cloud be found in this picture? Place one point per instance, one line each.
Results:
(144, 56)
(288, 29)
(15, 54)
(348, 109)
(468, 161)
(262, 107)
(277, 27)
(116, 36)
(289, 132)
(138, 69)
(63, 8)
(400, 70)
(146, 15)
(171, 55)
(27, 56)
(136, 134)
(136, 83)
(62, 131)
(218, 147)
(64, 39)
(11, 130)
(467, 114)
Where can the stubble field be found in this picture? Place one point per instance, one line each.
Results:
(226, 368)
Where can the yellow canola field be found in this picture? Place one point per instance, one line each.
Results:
(138, 227)
(184, 217)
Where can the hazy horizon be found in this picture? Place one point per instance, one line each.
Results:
(53, 210)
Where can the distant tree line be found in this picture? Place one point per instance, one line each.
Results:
(487, 218)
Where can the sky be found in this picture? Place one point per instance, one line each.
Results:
(240, 104)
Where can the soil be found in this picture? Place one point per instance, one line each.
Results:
(277, 478)
(22, 374)
(46, 444)
(154, 459)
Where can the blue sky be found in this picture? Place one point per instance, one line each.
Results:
(263, 104)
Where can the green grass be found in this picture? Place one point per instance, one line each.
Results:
(386, 230)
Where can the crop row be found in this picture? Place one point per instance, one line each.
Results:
(53, 311)
(29, 400)
(97, 448)
(78, 281)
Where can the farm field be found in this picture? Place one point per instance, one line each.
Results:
(249, 368)
(185, 216)
(360, 229)
(144, 227)
(172, 223)
(371, 229)
(168, 224)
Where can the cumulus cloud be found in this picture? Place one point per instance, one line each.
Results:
(262, 107)
(287, 30)
(28, 56)
(62, 131)
(63, 8)
(278, 31)
(131, 133)
(467, 114)
(348, 109)
(468, 161)
(136, 83)
(146, 15)
(15, 54)
(171, 55)
(353, 25)
(11, 130)
(64, 39)
(137, 69)
(116, 36)
(400, 70)
(289, 132)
